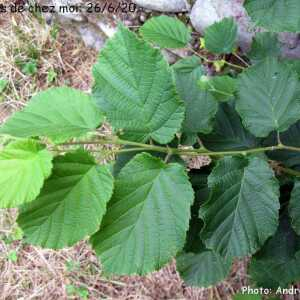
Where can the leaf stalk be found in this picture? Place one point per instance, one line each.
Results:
(178, 151)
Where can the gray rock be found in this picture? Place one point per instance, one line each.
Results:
(206, 12)
(164, 5)
(289, 39)
(291, 53)
(108, 29)
(92, 28)
(290, 45)
(172, 55)
(91, 37)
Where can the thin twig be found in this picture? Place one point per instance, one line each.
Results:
(213, 61)
(241, 59)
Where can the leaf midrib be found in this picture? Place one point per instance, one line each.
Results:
(237, 208)
(134, 207)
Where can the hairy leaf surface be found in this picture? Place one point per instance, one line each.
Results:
(24, 165)
(228, 132)
(275, 15)
(294, 207)
(197, 265)
(201, 106)
(202, 269)
(134, 87)
(167, 32)
(243, 208)
(223, 88)
(265, 44)
(221, 36)
(198, 178)
(58, 113)
(71, 204)
(294, 64)
(278, 262)
(123, 158)
(291, 137)
(147, 218)
(269, 97)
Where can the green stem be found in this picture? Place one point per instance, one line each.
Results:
(146, 146)
(130, 150)
(116, 141)
(183, 152)
(234, 65)
(212, 61)
(197, 152)
(289, 171)
(189, 152)
(241, 59)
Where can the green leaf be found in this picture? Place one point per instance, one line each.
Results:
(77, 292)
(188, 139)
(294, 207)
(71, 204)
(265, 44)
(58, 113)
(24, 165)
(277, 264)
(30, 68)
(221, 36)
(51, 76)
(290, 159)
(228, 133)
(202, 269)
(134, 87)
(219, 64)
(147, 218)
(12, 256)
(198, 179)
(269, 97)
(3, 85)
(166, 32)
(201, 107)
(294, 64)
(223, 88)
(291, 137)
(243, 208)
(275, 15)
(199, 266)
(123, 158)
(17, 234)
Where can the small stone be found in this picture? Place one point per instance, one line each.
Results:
(164, 5)
(206, 12)
(91, 37)
(127, 23)
(291, 40)
(170, 57)
(173, 55)
(291, 53)
(106, 28)
(142, 18)
(290, 45)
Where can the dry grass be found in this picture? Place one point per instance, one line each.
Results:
(31, 273)
(24, 40)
